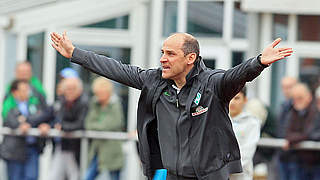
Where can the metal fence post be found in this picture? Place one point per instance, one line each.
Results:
(84, 155)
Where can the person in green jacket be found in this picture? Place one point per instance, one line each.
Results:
(23, 71)
(105, 114)
(23, 111)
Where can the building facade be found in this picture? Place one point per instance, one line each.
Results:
(229, 31)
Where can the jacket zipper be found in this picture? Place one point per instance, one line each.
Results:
(178, 138)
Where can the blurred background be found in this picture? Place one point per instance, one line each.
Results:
(229, 32)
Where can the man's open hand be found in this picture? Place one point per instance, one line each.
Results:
(271, 54)
(62, 44)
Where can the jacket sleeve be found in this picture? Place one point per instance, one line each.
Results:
(126, 74)
(11, 121)
(230, 82)
(44, 115)
(294, 137)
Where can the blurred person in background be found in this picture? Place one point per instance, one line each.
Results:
(317, 96)
(23, 111)
(247, 130)
(57, 157)
(57, 105)
(23, 71)
(256, 107)
(301, 164)
(64, 73)
(287, 83)
(68, 73)
(105, 114)
(268, 128)
(283, 157)
(315, 133)
(74, 107)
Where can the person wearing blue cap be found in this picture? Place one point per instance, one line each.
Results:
(69, 73)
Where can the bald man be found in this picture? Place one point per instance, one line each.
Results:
(301, 164)
(183, 124)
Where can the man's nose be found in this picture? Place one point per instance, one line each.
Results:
(163, 59)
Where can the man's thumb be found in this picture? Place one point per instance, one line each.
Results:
(64, 35)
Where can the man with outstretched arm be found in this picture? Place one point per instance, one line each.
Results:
(182, 117)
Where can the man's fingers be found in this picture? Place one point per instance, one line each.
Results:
(284, 49)
(276, 42)
(287, 54)
(64, 35)
(288, 51)
(56, 35)
(55, 46)
(278, 58)
(53, 39)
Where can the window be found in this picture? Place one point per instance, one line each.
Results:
(280, 27)
(210, 63)
(278, 72)
(35, 44)
(308, 28)
(115, 23)
(237, 57)
(309, 72)
(170, 18)
(205, 19)
(239, 22)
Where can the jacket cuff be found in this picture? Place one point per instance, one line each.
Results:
(257, 63)
(259, 59)
(78, 56)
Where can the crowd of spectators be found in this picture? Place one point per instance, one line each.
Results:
(25, 107)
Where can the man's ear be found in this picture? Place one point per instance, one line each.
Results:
(245, 99)
(191, 58)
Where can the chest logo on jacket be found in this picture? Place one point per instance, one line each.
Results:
(199, 110)
(197, 99)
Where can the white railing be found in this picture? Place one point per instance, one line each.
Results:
(278, 143)
(79, 134)
(74, 134)
(85, 135)
(263, 142)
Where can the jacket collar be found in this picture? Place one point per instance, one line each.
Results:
(194, 72)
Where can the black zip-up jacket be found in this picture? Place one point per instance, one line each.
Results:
(214, 149)
(72, 119)
(15, 147)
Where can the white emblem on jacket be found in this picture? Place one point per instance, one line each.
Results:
(199, 110)
(197, 99)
